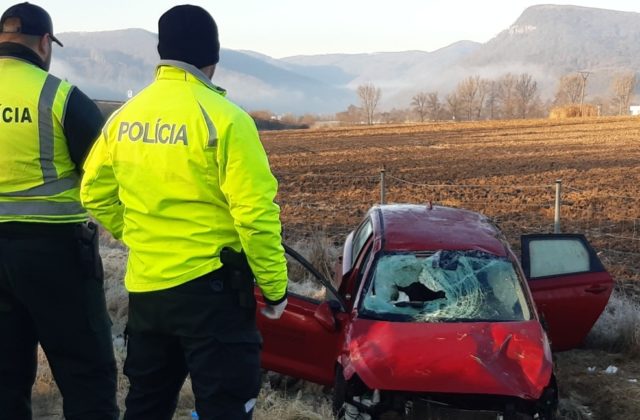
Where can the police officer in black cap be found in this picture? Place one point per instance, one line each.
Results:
(50, 271)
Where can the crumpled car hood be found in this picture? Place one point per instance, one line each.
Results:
(495, 358)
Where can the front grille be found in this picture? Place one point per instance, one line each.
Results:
(422, 409)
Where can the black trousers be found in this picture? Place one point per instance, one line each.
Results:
(50, 293)
(198, 328)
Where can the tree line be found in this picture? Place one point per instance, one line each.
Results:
(510, 96)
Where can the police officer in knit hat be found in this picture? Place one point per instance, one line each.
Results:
(179, 174)
(189, 34)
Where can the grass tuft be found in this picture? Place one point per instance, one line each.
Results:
(618, 328)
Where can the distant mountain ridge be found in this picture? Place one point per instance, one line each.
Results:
(546, 41)
(552, 41)
(569, 38)
(110, 63)
(400, 75)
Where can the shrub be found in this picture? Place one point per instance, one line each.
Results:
(573, 111)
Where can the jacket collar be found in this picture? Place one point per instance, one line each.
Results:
(20, 52)
(193, 71)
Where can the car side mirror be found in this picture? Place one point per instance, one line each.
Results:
(324, 314)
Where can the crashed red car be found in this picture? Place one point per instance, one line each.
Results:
(433, 316)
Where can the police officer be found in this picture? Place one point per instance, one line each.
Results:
(50, 272)
(180, 175)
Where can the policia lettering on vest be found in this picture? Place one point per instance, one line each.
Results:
(179, 174)
(157, 133)
(15, 114)
(51, 279)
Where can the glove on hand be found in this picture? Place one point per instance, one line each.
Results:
(274, 311)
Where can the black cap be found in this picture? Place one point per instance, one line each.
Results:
(34, 20)
(188, 33)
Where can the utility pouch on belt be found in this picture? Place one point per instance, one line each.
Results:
(241, 275)
(87, 236)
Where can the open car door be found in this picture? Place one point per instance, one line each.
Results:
(305, 341)
(569, 285)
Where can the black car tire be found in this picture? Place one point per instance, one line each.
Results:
(339, 392)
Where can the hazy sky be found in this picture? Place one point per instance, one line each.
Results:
(281, 28)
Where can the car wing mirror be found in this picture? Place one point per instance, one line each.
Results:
(325, 316)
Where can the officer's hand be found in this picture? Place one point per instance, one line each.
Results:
(274, 311)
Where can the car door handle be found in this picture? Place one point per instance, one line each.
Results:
(596, 289)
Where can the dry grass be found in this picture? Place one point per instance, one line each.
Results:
(582, 377)
(307, 403)
(572, 408)
(573, 111)
(591, 392)
(322, 254)
(618, 329)
(320, 251)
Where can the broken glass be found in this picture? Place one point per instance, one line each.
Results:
(445, 286)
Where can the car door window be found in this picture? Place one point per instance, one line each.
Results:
(360, 238)
(302, 283)
(306, 282)
(550, 258)
(364, 268)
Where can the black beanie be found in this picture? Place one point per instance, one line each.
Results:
(188, 33)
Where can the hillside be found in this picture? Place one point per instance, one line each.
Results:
(546, 41)
(550, 41)
(565, 39)
(399, 74)
(107, 64)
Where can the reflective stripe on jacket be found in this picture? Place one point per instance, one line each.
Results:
(179, 173)
(38, 180)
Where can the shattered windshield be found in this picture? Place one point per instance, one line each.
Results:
(445, 286)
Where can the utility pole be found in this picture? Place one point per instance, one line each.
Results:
(585, 76)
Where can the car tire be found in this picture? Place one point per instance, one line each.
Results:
(550, 411)
(339, 392)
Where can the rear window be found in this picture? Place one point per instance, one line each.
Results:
(445, 286)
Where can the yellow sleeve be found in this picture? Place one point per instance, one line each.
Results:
(250, 189)
(99, 189)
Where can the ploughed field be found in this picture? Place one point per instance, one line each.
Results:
(506, 170)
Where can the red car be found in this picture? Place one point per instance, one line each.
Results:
(433, 316)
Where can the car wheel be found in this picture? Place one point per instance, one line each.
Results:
(549, 401)
(339, 393)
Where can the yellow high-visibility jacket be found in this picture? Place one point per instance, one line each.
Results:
(38, 180)
(179, 173)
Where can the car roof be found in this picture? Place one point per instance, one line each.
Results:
(411, 227)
